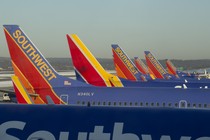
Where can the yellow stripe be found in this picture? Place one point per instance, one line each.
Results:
(152, 76)
(91, 59)
(21, 89)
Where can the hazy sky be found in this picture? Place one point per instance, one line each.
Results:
(177, 29)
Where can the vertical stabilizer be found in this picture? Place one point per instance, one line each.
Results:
(171, 68)
(32, 65)
(141, 66)
(86, 65)
(154, 66)
(124, 66)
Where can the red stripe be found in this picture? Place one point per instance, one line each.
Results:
(19, 96)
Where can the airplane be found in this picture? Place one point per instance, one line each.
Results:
(46, 82)
(61, 122)
(111, 80)
(85, 63)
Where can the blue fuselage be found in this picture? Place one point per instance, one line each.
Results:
(144, 97)
(188, 82)
(59, 122)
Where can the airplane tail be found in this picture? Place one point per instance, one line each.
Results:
(87, 68)
(125, 67)
(28, 62)
(155, 67)
(140, 65)
(170, 67)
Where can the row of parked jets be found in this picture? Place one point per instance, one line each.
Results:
(36, 81)
(106, 100)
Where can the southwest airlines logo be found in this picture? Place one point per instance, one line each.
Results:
(97, 134)
(33, 54)
(156, 64)
(126, 60)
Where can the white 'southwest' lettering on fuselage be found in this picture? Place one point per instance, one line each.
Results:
(155, 63)
(97, 134)
(126, 60)
(33, 54)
